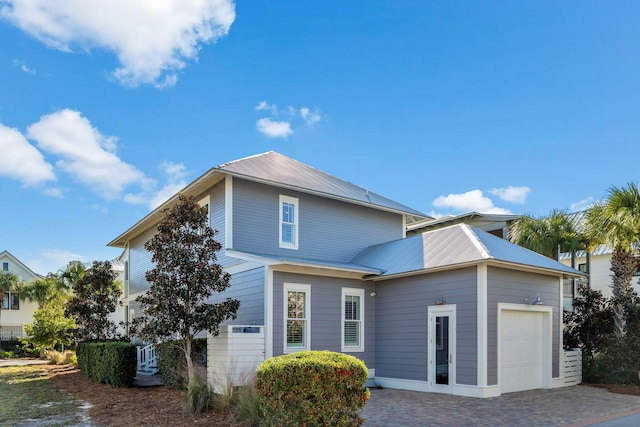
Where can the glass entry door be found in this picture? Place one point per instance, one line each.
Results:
(441, 339)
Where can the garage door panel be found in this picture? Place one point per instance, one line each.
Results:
(521, 350)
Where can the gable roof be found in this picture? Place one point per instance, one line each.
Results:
(457, 245)
(483, 221)
(9, 255)
(273, 168)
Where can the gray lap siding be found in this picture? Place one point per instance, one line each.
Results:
(248, 288)
(328, 229)
(516, 287)
(401, 323)
(326, 313)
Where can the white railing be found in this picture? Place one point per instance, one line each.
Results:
(11, 331)
(147, 360)
(572, 366)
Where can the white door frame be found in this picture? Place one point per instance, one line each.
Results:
(433, 311)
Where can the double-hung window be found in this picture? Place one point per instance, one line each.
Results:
(288, 222)
(352, 319)
(297, 303)
(11, 301)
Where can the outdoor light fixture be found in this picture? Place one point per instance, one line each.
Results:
(440, 300)
(538, 301)
(373, 294)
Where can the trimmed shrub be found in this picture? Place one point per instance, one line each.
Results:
(312, 388)
(172, 365)
(112, 363)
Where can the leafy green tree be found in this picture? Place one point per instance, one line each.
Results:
(590, 325)
(9, 282)
(616, 222)
(95, 296)
(548, 235)
(50, 326)
(185, 276)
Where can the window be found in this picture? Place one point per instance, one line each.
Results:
(288, 222)
(352, 319)
(582, 268)
(297, 315)
(205, 202)
(11, 301)
(5, 266)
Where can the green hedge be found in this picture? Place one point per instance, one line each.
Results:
(172, 364)
(112, 363)
(312, 388)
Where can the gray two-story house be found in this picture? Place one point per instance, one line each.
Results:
(321, 263)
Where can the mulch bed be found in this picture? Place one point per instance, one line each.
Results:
(140, 406)
(631, 389)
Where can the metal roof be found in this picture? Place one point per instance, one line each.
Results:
(276, 169)
(477, 219)
(458, 244)
(282, 259)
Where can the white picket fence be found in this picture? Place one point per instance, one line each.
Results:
(572, 365)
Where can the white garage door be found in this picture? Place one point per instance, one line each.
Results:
(521, 350)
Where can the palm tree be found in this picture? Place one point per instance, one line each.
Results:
(616, 222)
(9, 282)
(548, 235)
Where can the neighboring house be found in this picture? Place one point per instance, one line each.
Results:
(597, 267)
(496, 224)
(320, 263)
(15, 312)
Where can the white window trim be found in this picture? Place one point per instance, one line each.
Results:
(206, 201)
(357, 293)
(296, 225)
(296, 287)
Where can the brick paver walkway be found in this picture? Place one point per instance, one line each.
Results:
(554, 407)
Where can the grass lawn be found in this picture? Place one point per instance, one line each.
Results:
(27, 395)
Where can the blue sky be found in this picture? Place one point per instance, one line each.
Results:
(503, 107)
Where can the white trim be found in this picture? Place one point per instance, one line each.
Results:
(268, 309)
(399, 384)
(547, 350)
(476, 391)
(358, 293)
(482, 324)
(560, 323)
(228, 212)
(296, 224)
(432, 312)
(404, 226)
(296, 287)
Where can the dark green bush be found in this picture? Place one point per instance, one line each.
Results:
(112, 363)
(172, 364)
(312, 388)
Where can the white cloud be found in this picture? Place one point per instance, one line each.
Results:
(152, 39)
(22, 161)
(273, 128)
(52, 260)
(472, 200)
(512, 194)
(176, 180)
(54, 192)
(85, 153)
(309, 116)
(264, 106)
(582, 204)
(24, 67)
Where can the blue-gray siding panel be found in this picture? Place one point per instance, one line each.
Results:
(401, 323)
(517, 287)
(328, 230)
(248, 287)
(139, 262)
(326, 313)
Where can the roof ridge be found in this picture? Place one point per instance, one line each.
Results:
(467, 229)
(220, 166)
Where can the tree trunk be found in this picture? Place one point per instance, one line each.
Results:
(623, 265)
(191, 372)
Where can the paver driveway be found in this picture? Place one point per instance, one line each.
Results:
(555, 407)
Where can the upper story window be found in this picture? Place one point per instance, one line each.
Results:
(582, 267)
(5, 266)
(288, 222)
(205, 202)
(11, 301)
(352, 319)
